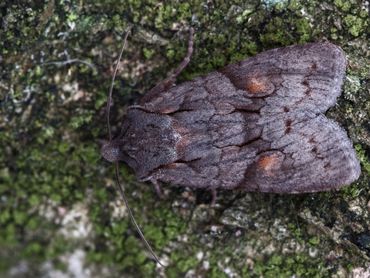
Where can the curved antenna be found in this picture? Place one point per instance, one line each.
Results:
(121, 191)
(118, 183)
(109, 102)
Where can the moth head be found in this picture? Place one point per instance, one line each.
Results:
(110, 150)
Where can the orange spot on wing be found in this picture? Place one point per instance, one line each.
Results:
(256, 85)
(268, 163)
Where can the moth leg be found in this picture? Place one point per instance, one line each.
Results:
(214, 197)
(158, 189)
(171, 78)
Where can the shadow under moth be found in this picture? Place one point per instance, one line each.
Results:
(256, 125)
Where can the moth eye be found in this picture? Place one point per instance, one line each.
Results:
(110, 153)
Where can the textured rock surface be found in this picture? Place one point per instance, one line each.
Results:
(57, 201)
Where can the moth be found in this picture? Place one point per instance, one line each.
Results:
(256, 125)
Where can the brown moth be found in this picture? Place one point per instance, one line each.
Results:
(256, 125)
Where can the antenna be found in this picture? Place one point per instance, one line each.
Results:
(119, 186)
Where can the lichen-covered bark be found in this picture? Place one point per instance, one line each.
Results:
(58, 202)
